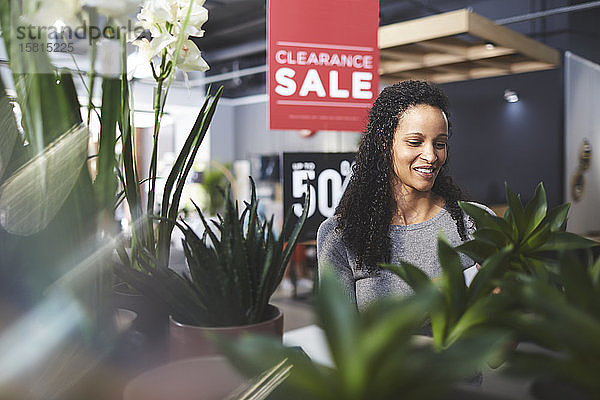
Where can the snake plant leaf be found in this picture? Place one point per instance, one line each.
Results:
(516, 211)
(557, 217)
(492, 268)
(413, 276)
(33, 195)
(536, 209)
(452, 279)
(566, 241)
(293, 238)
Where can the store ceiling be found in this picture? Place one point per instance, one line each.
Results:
(458, 45)
(235, 38)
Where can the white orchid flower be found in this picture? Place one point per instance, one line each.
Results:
(198, 16)
(156, 13)
(150, 49)
(190, 58)
(165, 20)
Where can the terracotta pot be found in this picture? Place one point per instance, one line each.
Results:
(191, 341)
(200, 378)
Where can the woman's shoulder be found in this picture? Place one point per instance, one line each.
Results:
(329, 238)
(328, 226)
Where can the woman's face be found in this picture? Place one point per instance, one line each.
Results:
(419, 148)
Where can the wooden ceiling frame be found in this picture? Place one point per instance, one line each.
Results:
(458, 45)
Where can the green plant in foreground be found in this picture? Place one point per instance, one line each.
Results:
(564, 320)
(232, 271)
(462, 307)
(532, 232)
(375, 353)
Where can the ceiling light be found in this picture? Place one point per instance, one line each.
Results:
(490, 46)
(511, 96)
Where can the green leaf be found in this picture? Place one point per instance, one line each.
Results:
(477, 250)
(557, 217)
(453, 279)
(483, 311)
(105, 185)
(35, 193)
(576, 281)
(254, 354)
(566, 241)
(180, 171)
(493, 237)
(537, 238)
(391, 330)
(479, 215)
(536, 209)
(535, 267)
(516, 211)
(293, 238)
(492, 268)
(595, 273)
(340, 321)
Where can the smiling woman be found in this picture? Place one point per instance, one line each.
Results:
(399, 198)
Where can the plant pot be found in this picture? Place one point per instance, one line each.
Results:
(151, 318)
(144, 344)
(200, 378)
(190, 341)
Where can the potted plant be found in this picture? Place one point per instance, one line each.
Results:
(544, 294)
(525, 241)
(553, 305)
(152, 223)
(233, 271)
(563, 322)
(376, 354)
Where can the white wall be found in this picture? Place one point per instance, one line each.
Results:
(253, 137)
(582, 121)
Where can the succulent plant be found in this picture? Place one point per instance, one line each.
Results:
(233, 270)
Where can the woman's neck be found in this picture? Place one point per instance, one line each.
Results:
(413, 207)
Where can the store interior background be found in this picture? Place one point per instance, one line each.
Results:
(536, 139)
(494, 141)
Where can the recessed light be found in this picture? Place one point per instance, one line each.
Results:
(511, 96)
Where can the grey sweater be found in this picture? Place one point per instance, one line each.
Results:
(416, 244)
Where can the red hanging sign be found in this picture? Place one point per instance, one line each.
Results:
(323, 63)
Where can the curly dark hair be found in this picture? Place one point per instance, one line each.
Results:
(368, 204)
